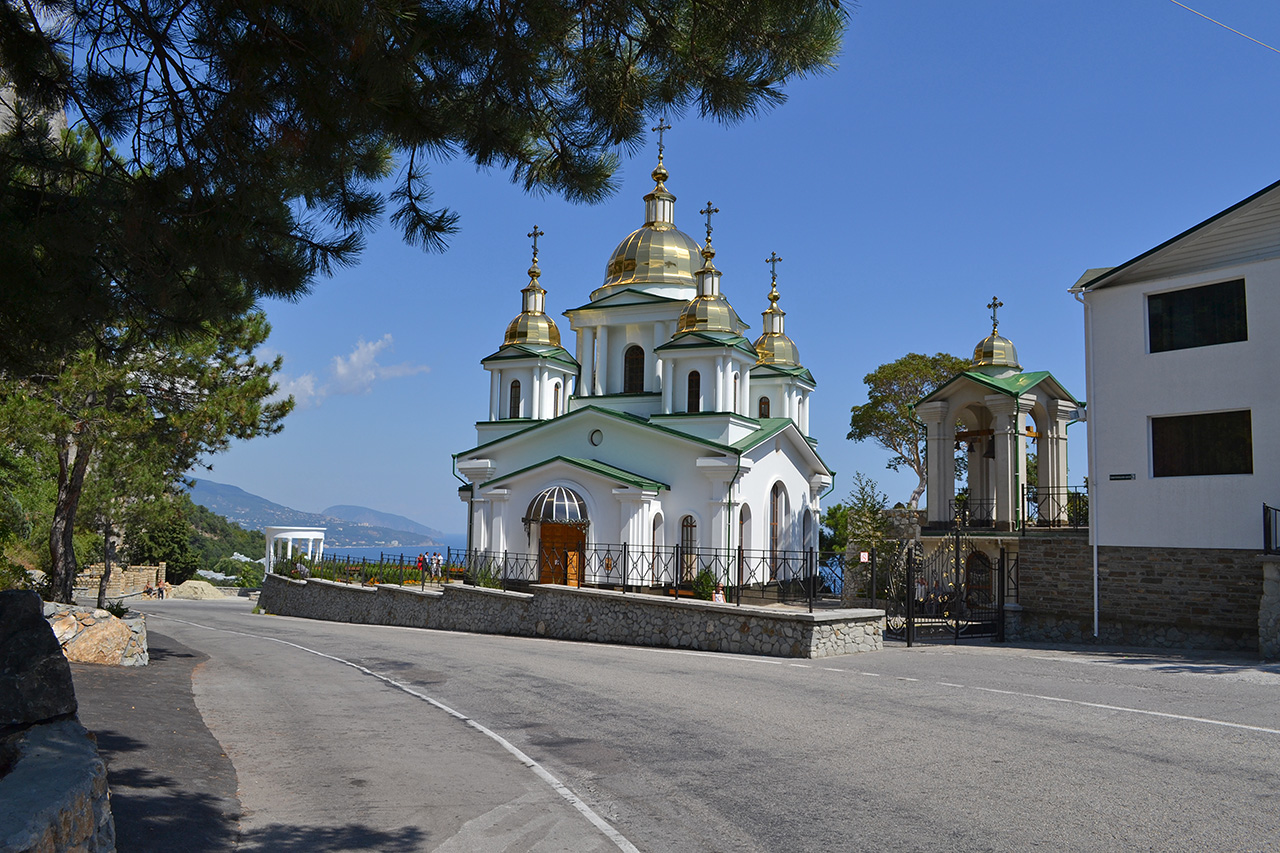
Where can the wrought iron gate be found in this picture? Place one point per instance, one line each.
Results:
(953, 593)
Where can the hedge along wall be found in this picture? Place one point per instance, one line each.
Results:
(594, 615)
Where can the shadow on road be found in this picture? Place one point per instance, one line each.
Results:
(283, 838)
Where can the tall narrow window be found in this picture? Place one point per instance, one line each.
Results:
(513, 405)
(735, 393)
(688, 548)
(777, 516)
(763, 408)
(633, 370)
(555, 400)
(693, 402)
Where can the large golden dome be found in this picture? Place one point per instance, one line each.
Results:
(657, 253)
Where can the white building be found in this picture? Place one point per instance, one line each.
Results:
(666, 429)
(1182, 356)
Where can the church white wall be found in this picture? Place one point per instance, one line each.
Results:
(1130, 385)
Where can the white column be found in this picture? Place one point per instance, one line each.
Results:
(586, 358)
(658, 340)
(495, 393)
(718, 402)
(940, 489)
(602, 361)
(668, 370)
(804, 413)
(748, 407)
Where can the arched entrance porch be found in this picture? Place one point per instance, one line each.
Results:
(560, 515)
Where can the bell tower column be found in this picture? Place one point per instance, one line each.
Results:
(940, 462)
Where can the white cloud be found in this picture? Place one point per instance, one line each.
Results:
(352, 374)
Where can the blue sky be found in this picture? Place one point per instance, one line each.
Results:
(959, 151)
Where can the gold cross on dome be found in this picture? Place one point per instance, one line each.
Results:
(660, 129)
(773, 260)
(709, 210)
(993, 305)
(535, 234)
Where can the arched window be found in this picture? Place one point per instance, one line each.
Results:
(688, 548)
(633, 370)
(763, 408)
(735, 393)
(555, 400)
(694, 401)
(513, 404)
(744, 528)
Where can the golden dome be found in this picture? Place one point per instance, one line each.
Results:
(774, 347)
(995, 351)
(657, 253)
(709, 311)
(532, 325)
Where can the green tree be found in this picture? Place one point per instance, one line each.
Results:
(260, 141)
(163, 407)
(887, 417)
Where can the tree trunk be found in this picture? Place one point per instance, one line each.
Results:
(914, 503)
(106, 565)
(73, 462)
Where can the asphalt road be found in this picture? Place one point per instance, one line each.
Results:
(347, 737)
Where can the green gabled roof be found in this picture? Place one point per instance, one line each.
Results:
(696, 340)
(612, 413)
(608, 301)
(595, 466)
(1012, 386)
(798, 372)
(769, 427)
(519, 351)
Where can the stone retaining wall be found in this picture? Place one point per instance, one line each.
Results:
(55, 798)
(1160, 597)
(1269, 612)
(594, 615)
(123, 581)
(89, 635)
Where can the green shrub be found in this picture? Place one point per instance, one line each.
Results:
(117, 608)
(704, 585)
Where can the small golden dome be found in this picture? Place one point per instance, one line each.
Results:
(532, 325)
(995, 351)
(774, 347)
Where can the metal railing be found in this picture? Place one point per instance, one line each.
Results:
(1270, 529)
(1061, 506)
(738, 575)
(968, 511)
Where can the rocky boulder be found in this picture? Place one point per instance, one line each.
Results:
(35, 678)
(89, 635)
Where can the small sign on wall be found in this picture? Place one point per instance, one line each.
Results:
(864, 556)
(1122, 477)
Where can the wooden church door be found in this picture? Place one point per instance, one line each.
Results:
(560, 547)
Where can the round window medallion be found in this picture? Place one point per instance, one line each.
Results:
(596, 437)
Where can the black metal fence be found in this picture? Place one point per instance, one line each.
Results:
(1062, 506)
(735, 575)
(1270, 529)
(968, 511)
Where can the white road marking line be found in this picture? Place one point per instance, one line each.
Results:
(905, 678)
(872, 674)
(832, 669)
(1122, 709)
(948, 684)
(560, 788)
(802, 665)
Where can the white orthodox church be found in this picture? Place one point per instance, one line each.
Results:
(666, 432)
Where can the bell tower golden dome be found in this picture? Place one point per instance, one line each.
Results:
(995, 354)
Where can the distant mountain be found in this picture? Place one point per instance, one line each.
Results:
(254, 513)
(374, 518)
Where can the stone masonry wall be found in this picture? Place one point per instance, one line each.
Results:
(123, 581)
(604, 616)
(89, 635)
(1269, 612)
(1161, 597)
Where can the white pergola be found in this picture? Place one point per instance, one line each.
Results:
(313, 536)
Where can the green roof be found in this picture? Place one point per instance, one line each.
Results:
(1012, 386)
(798, 372)
(595, 466)
(696, 339)
(647, 299)
(520, 351)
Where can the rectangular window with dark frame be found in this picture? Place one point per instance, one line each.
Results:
(1200, 445)
(1197, 316)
